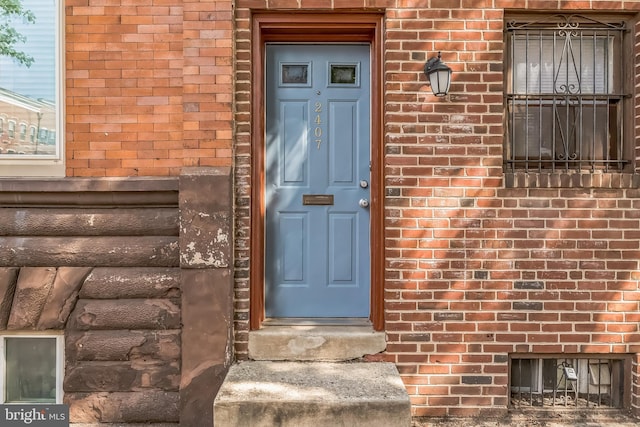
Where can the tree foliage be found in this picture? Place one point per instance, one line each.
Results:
(10, 10)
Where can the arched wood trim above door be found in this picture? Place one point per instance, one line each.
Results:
(292, 27)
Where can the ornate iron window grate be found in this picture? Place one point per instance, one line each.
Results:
(564, 96)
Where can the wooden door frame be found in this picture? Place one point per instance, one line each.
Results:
(295, 27)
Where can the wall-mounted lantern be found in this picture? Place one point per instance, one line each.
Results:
(439, 75)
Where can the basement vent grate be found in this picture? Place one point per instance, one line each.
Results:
(567, 382)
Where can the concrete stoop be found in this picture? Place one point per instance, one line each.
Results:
(312, 394)
(315, 342)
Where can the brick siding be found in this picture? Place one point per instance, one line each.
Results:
(474, 271)
(148, 86)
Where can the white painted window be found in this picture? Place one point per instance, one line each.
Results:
(12, 129)
(23, 131)
(31, 88)
(32, 368)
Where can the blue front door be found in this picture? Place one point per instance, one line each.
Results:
(317, 180)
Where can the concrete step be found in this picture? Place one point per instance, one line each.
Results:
(312, 394)
(313, 341)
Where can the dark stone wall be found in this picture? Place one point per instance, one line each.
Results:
(111, 263)
(206, 237)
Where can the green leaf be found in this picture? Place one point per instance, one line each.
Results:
(9, 11)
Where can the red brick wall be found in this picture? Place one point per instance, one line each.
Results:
(148, 86)
(474, 271)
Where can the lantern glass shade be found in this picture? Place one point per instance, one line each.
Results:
(439, 76)
(440, 82)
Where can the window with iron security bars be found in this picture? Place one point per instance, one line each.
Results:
(576, 383)
(565, 95)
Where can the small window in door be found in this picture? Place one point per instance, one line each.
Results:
(344, 75)
(296, 74)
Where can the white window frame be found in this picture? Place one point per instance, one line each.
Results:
(22, 131)
(11, 129)
(59, 337)
(32, 133)
(52, 166)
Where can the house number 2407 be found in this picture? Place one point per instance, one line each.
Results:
(317, 132)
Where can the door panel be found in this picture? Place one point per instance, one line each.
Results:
(292, 228)
(342, 249)
(293, 130)
(317, 153)
(342, 118)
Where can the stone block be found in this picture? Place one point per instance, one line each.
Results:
(206, 341)
(8, 277)
(123, 345)
(138, 407)
(125, 314)
(62, 297)
(32, 291)
(121, 376)
(89, 221)
(206, 223)
(131, 282)
(155, 251)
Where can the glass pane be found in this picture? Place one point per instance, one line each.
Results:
(31, 370)
(531, 140)
(524, 375)
(23, 131)
(343, 74)
(558, 131)
(553, 64)
(28, 76)
(596, 122)
(295, 73)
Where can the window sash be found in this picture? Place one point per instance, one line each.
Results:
(44, 37)
(545, 63)
(23, 131)
(31, 378)
(12, 129)
(565, 130)
(565, 94)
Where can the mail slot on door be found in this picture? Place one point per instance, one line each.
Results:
(317, 199)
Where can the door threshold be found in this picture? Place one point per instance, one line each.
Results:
(310, 339)
(316, 321)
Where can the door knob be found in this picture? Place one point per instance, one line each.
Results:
(364, 203)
